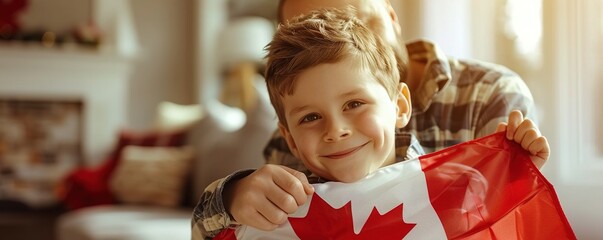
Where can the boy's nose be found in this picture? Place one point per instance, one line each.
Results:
(336, 132)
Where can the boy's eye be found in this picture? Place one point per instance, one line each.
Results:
(352, 105)
(309, 118)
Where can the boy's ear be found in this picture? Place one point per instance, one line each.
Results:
(404, 106)
(289, 139)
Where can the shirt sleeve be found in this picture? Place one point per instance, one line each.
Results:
(210, 216)
(509, 92)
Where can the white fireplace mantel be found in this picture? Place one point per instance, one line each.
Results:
(100, 80)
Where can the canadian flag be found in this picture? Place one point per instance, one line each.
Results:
(483, 189)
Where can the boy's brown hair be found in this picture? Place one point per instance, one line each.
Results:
(325, 36)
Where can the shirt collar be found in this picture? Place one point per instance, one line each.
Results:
(436, 76)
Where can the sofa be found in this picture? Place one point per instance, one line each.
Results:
(225, 139)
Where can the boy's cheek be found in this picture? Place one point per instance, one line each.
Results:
(295, 152)
(290, 141)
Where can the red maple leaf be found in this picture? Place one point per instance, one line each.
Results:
(326, 222)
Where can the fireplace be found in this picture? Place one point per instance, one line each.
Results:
(86, 89)
(40, 142)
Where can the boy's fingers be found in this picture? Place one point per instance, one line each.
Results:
(529, 138)
(294, 183)
(540, 147)
(538, 161)
(540, 151)
(261, 222)
(272, 213)
(525, 127)
(308, 188)
(283, 200)
(501, 127)
(249, 213)
(515, 118)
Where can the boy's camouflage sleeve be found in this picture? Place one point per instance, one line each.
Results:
(210, 216)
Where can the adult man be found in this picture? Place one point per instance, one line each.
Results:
(453, 100)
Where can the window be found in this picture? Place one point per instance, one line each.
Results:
(580, 81)
(524, 25)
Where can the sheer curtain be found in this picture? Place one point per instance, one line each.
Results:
(576, 28)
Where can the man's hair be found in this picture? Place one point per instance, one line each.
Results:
(325, 36)
(281, 4)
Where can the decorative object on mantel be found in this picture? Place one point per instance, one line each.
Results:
(14, 26)
(88, 34)
(9, 16)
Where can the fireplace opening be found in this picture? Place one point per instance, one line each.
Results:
(40, 142)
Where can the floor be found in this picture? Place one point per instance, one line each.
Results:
(18, 222)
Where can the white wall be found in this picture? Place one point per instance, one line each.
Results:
(447, 24)
(163, 70)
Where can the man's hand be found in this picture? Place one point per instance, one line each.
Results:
(526, 133)
(265, 198)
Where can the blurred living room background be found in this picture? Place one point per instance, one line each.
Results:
(114, 114)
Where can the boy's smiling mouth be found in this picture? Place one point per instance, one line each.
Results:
(344, 153)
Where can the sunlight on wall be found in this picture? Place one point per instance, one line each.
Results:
(524, 25)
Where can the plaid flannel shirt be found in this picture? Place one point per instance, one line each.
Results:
(461, 100)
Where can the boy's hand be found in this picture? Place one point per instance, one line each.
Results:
(525, 132)
(265, 198)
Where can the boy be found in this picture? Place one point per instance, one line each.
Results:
(336, 90)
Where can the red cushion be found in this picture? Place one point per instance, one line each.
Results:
(88, 186)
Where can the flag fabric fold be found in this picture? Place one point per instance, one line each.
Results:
(482, 189)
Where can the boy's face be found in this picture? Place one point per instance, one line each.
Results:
(341, 121)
